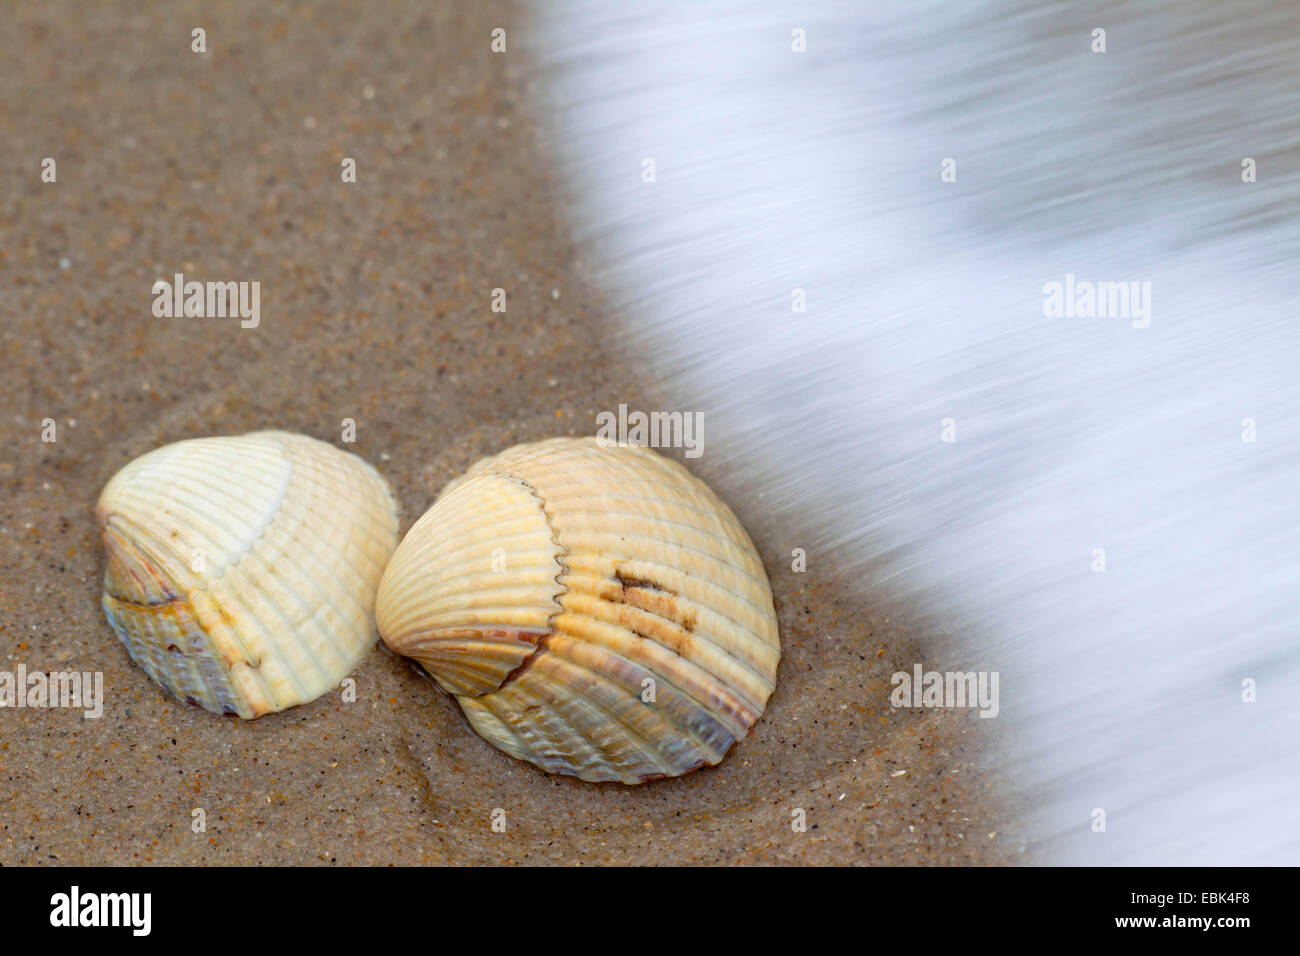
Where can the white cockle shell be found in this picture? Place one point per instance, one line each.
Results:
(595, 609)
(241, 571)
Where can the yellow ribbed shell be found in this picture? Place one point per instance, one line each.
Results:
(241, 572)
(596, 610)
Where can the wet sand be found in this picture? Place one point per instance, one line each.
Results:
(375, 306)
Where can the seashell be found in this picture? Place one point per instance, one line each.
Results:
(241, 571)
(595, 609)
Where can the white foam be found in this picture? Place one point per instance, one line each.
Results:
(820, 171)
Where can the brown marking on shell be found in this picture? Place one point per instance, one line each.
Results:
(148, 605)
(541, 640)
(651, 611)
(433, 658)
(645, 584)
(651, 597)
(652, 626)
(521, 635)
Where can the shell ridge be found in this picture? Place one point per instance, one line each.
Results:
(380, 546)
(648, 747)
(234, 595)
(696, 503)
(720, 713)
(686, 661)
(296, 634)
(150, 657)
(711, 590)
(399, 592)
(289, 523)
(560, 555)
(663, 680)
(543, 643)
(514, 747)
(471, 549)
(696, 610)
(266, 517)
(344, 504)
(705, 555)
(732, 524)
(700, 634)
(327, 597)
(556, 730)
(251, 612)
(451, 673)
(310, 620)
(145, 546)
(656, 674)
(286, 441)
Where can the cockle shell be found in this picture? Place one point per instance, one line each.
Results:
(241, 572)
(596, 610)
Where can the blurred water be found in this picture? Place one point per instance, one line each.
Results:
(820, 171)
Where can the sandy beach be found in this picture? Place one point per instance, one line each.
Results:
(375, 306)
